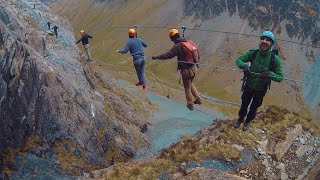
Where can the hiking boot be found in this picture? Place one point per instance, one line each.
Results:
(138, 84)
(190, 107)
(197, 101)
(144, 88)
(238, 123)
(245, 127)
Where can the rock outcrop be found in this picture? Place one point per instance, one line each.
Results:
(276, 148)
(222, 152)
(50, 100)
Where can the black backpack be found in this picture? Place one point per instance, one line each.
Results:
(271, 68)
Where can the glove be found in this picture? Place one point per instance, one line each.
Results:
(118, 51)
(154, 57)
(264, 75)
(246, 70)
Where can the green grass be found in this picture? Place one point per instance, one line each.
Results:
(148, 170)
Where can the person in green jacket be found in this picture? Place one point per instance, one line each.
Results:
(259, 71)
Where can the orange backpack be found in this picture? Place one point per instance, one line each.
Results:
(191, 53)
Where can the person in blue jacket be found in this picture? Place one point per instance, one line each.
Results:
(136, 47)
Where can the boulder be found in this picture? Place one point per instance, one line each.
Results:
(206, 174)
(302, 150)
(277, 148)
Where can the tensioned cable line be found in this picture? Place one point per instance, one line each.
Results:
(158, 80)
(233, 69)
(292, 69)
(234, 34)
(216, 31)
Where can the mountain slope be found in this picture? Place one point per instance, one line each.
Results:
(290, 20)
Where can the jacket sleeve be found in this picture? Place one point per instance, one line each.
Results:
(126, 49)
(277, 74)
(79, 40)
(143, 43)
(170, 54)
(89, 36)
(241, 60)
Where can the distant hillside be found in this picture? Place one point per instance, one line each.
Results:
(291, 21)
(300, 17)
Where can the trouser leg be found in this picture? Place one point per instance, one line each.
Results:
(194, 90)
(142, 72)
(187, 83)
(246, 99)
(256, 103)
(139, 65)
(87, 49)
(137, 68)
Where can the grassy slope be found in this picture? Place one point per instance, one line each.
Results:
(100, 18)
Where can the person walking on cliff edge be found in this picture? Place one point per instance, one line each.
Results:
(136, 47)
(260, 66)
(55, 29)
(49, 24)
(85, 42)
(187, 60)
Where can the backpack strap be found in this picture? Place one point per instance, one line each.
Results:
(271, 68)
(252, 58)
(254, 54)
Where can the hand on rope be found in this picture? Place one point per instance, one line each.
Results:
(265, 75)
(246, 69)
(118, 51)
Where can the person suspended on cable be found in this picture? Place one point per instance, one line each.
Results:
(188, 57)
(136, 47)
(85, 42)
(260, 66)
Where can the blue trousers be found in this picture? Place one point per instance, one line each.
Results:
(139, 65)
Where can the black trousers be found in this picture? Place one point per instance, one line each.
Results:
(256, 97)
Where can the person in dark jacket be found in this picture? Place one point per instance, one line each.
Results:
(136, 47)
(55, 29)
(187, 70)
(49, 24)
(258, 77)
(85, 42)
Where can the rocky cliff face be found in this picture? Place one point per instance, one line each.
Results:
(301, 17)
(49, 99)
